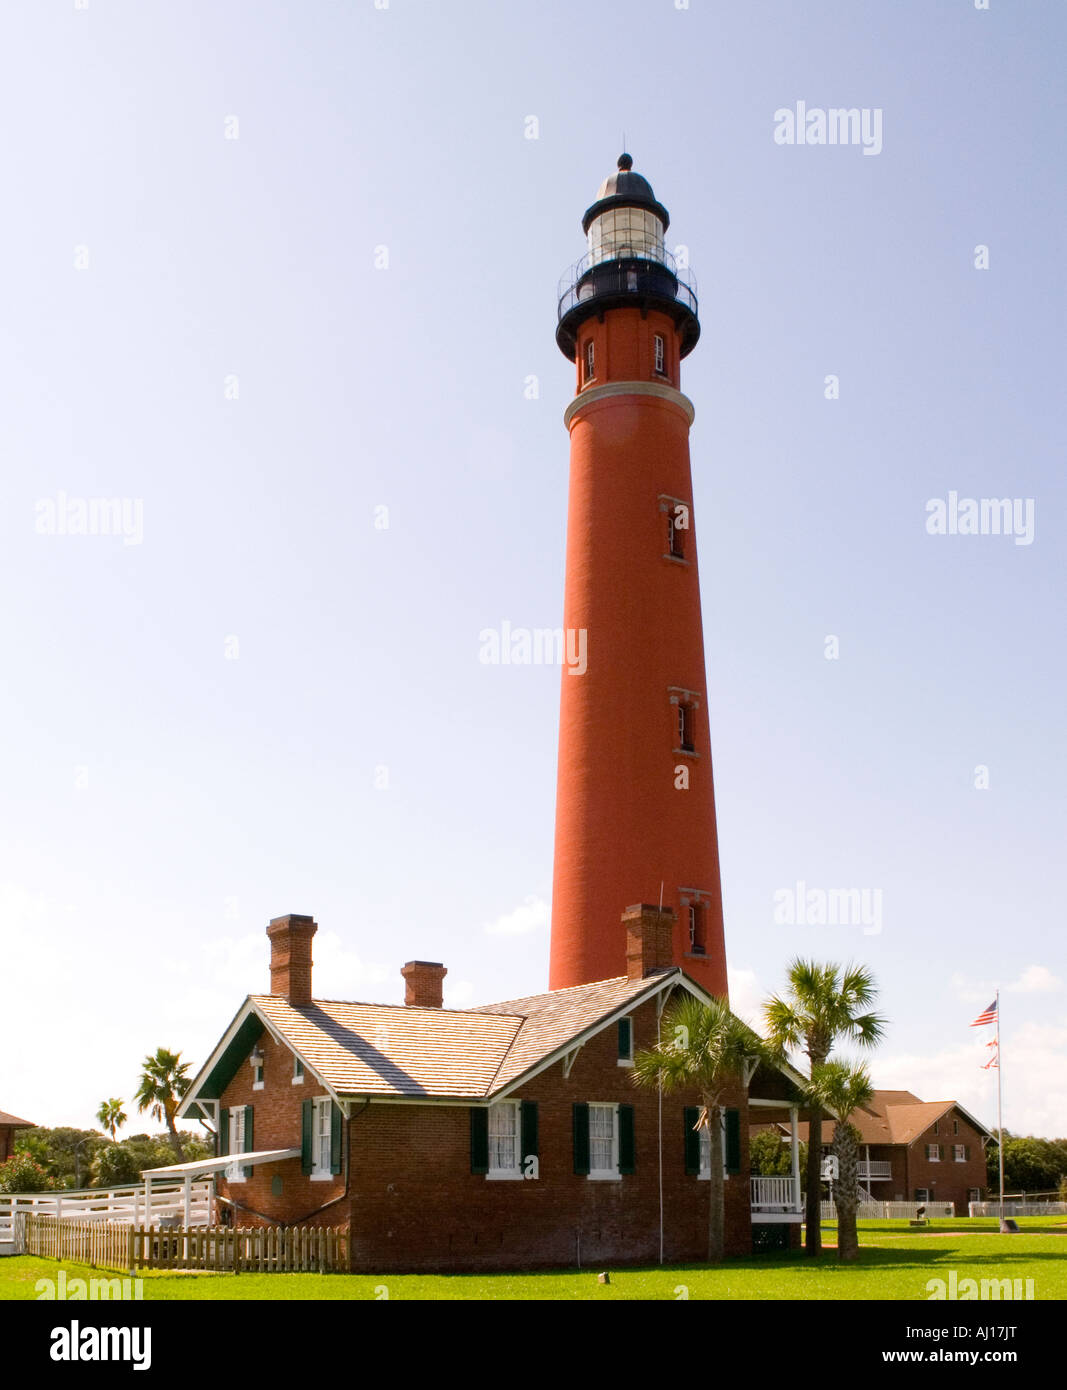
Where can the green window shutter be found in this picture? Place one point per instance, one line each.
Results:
(249, 1145)
(224, 1131)
(479, 1139)
(966, 1152)
(335, 1138)
(626, 1039)
(581, 1138)
(627, 1152)
(529, 1131)
(733, 1141)
(940, 1151)
(692, 1141)
(307, 1135)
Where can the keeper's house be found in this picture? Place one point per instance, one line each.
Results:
(917, 1151)
(8, 1125)
(508, 1136)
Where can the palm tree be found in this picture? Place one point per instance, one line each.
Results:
(162, 1085)
(843, 1089)
(823, 1004)
(705, 1047)
(111, 1115)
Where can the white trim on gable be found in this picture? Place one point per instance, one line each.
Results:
(248, 1008)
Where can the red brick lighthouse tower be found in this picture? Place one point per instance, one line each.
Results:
(635, 801)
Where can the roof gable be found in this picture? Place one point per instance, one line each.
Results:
(13, 1121)
(394, 1051)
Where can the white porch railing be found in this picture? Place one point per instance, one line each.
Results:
(111, 1204)
(876, 1170)
(777, 1194)
(891, 1211)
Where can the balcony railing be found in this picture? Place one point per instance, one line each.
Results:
(635, 270)
(777, 1194)
(876, 1170)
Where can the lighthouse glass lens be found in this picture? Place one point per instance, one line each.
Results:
(625, 232)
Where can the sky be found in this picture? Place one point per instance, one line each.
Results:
(281, 281)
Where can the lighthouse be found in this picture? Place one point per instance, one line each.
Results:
(635, 800)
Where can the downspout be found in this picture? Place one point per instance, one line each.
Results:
(661, 1003)
(238, 1206)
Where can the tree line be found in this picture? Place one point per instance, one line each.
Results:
(66, 1157)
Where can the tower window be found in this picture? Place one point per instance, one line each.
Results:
(659, 354)
(590, 360)
(696, 929)
(675, 534)
(685, 728)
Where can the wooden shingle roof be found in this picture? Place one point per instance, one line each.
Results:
(399, 1050)
(13, 1121)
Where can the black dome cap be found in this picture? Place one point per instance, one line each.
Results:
(625, 189)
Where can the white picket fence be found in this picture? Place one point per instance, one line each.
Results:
(891, 1211)
(125, 1204)
(120, 1246)
(1017, 1208)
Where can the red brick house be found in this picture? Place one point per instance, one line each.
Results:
(508, 1136)
(8, 1125)
(918, 1151)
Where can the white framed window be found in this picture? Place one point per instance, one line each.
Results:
(685, 728)
(659, 354)
(922, 1194)
(603, 1141)
(974, 1194)
(959, 1153)
(236, 1172)
(321, 1127)
(933, 1153)
(955, 1126)
(505, 1139)
(590, 360)
(298, 1072)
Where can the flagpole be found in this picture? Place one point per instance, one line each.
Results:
(1000, 1109)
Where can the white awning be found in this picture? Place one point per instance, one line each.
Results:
(216, 1165)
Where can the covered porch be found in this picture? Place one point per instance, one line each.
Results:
(774, 1098)
(187, 1173)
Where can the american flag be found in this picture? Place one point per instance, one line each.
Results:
(986, 1016)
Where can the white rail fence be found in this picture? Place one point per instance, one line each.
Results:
(1017, 1208)
(127, 1204)
(891, 1211)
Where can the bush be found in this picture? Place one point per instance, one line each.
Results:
(21, 1173)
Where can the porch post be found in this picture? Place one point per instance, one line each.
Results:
(187, 1195)
(147, 1201)
(796, 1157)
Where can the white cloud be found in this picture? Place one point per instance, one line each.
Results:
(746, 996)
(1035, 1078)
(532, 914)
(459, 994)
(1036, 979)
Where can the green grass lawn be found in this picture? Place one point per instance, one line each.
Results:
(895, 1263)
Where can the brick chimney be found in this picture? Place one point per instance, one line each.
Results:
(290, 957)
(649, 939)
(423, 983)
